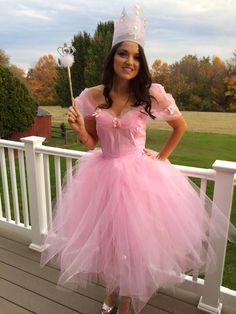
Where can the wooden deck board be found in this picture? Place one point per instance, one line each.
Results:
(7, 307)
(30, 300)
(26, 288)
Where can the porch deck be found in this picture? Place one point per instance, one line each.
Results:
(25, 288)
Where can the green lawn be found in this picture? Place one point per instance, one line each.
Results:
(196, 149)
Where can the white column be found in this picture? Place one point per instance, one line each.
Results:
(36, 190)
(223, 193)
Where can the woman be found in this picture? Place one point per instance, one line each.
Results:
(127, 70)
(128, 218)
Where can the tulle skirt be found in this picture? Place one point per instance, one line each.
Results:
(131, 223)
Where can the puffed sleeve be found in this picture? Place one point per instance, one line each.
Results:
(163, 106)
(84, 103)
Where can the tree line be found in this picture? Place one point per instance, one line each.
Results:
(197, 83)
(201, 84)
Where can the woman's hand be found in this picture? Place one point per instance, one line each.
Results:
(150, 154)
(75, 119)
(77, 123)
(179, 127)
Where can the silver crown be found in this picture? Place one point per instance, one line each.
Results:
(130, 28)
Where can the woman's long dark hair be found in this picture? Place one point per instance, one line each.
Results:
(139, 85)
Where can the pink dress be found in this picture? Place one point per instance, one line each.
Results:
(125, 220)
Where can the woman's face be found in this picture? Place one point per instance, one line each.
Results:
(127, 60)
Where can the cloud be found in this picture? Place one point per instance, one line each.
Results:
(32, 28)
(34, 14)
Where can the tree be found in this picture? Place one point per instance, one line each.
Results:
(90, 56)
(17, 107)
(81, 43)
(5, 61)
(218, 87)
(231, 65)
(4, 58)
(160, 72)
(230, 93)
(62, 87)
(97, 53)
(230, 83)
(178, 85)
(42, 80)
(17, 72)
(198, 84)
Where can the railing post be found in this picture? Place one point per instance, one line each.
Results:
(36, 189)
(223, 193)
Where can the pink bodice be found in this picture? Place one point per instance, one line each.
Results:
(123, 135)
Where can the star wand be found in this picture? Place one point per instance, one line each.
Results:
(66, 60)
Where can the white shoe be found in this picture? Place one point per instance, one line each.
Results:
(107, 309)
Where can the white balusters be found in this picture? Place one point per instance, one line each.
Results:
(14, 185)
(23, 188)
(1, 213)
(69, 169)
(48, 189)
(203, 188)
(58, 176)
(5, 184)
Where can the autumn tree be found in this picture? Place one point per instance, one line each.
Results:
(231, 64)
(196, 83)
(231, 92)
(17, 107)
(218, 88)
(230, 82)
(160, 72)
(178, 86)
(42, 80)
(4, 58)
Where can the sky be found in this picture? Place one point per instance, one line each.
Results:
(30, 29)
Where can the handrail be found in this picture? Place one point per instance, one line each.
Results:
(12, 144)
(60, 152)
(208, 174)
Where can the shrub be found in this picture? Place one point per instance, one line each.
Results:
(17, 107)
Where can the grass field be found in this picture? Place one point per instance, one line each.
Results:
(58, 113)
(206, 122)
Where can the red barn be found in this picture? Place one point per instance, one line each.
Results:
(40, 127)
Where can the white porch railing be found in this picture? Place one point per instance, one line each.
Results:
(26, 177)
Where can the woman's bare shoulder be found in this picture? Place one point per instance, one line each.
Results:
(96, 93)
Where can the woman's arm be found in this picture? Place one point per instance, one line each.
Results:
(179, 127)
(85, 128)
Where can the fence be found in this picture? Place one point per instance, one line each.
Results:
(64, 134)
